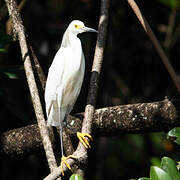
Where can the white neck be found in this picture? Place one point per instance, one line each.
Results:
(70, 39)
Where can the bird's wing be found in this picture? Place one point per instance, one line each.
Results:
(63, 85)
(53, 84)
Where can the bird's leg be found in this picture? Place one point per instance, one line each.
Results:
(63, 158)
(61, 139)
(82, 137)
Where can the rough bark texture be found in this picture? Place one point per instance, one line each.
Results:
(110, 121)
(20, 33)
(136, 118)
(96, 68)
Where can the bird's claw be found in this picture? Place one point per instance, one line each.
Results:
(63, 161)
(84, 141)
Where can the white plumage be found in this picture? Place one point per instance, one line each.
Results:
(65, 75)
(64, 81)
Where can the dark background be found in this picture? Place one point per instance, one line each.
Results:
(132, 72)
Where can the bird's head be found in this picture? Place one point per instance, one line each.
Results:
(77, 27)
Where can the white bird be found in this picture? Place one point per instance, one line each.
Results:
(64, 81)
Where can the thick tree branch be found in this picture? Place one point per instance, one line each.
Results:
(110, 121)
(20, 32)
(156, 43)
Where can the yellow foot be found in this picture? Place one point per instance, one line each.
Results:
(63, 161)
(84, 141)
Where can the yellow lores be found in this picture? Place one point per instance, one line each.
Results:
(78, 26)
(64, 82)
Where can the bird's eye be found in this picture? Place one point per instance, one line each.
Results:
(76, 26)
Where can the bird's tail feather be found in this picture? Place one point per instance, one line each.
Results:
(53, 118)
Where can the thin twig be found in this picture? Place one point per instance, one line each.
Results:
(170, 27)
(39, 71)
(39, 76)
(156, 43)
(19, 30)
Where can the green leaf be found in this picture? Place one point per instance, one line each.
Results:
(155, 161)
(2, 50)
(169, 165)
(76, 177)
(12, 72)
(11, 75)
(157, 173)
(178, 165)
(144, 178)
(175, 132)
(171, 3)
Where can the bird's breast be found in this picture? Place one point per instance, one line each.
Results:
(73, 78)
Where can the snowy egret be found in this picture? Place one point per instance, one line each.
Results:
(64, 82)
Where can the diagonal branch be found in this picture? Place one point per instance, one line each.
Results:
(156, 43)
(96, 68)
(9, 26)
(20, 32)
(170, 27)
(38, 70)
